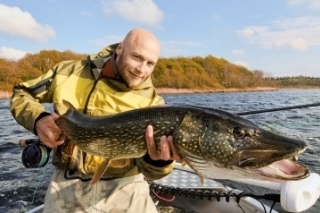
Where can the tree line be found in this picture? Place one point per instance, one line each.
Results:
(180, 72)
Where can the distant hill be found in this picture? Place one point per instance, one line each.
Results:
(197, 73)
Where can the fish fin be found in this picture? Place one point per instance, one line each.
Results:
(100, 171)
(201, 180)
(184, 163)
(67, 104)
(201, 177)
(67, 147)
(65, 107)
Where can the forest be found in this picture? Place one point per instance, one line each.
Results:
(179, 73)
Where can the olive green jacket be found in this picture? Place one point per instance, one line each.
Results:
(79, 82)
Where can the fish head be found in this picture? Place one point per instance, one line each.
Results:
(233, 143)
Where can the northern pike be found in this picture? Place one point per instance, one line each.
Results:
(214, 143)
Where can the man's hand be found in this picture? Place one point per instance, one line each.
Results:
(48, 132)
(166, 150)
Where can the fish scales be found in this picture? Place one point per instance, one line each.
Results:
(105, 135)
(214, 143)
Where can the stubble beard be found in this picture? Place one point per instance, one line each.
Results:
(130, 80)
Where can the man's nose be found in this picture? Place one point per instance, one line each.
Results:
(142, 66)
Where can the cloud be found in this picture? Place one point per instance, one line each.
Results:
(311, 4)
(294, 33)
(11, 53)
(241, 63)
(247, 32)
(17, 23)
(237, 52)
(139, 11)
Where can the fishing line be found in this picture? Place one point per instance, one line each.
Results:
(95, 194)
(279, 109)
(37, 187)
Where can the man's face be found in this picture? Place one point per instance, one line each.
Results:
(136, 62)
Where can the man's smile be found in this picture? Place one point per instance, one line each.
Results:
(136, 76)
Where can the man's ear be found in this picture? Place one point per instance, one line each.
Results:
(119, 48)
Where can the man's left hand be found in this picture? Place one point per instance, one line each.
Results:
(165, 151)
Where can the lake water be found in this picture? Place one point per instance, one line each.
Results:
(21, 188)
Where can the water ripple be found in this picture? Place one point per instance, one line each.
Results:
(18, 184)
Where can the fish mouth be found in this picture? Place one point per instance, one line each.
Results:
(272, 165)
(283, 170)
(260, 158)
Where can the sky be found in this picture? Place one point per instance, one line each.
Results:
(280, 37)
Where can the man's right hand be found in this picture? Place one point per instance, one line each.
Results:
(48, 132)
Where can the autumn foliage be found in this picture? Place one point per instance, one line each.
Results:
(180, 73)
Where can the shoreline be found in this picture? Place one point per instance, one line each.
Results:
(7, 94)
(181, 91)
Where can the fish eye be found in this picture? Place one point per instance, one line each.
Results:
(238, 133)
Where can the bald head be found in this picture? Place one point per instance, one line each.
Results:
(141, 38)
(137, 56)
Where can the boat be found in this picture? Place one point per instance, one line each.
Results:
(182, 190)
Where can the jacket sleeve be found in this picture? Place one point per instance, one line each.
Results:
(154, 170)
(25, 104)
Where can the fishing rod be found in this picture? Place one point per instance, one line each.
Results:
(279, 109)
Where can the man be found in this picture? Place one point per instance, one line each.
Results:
(114, 80)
